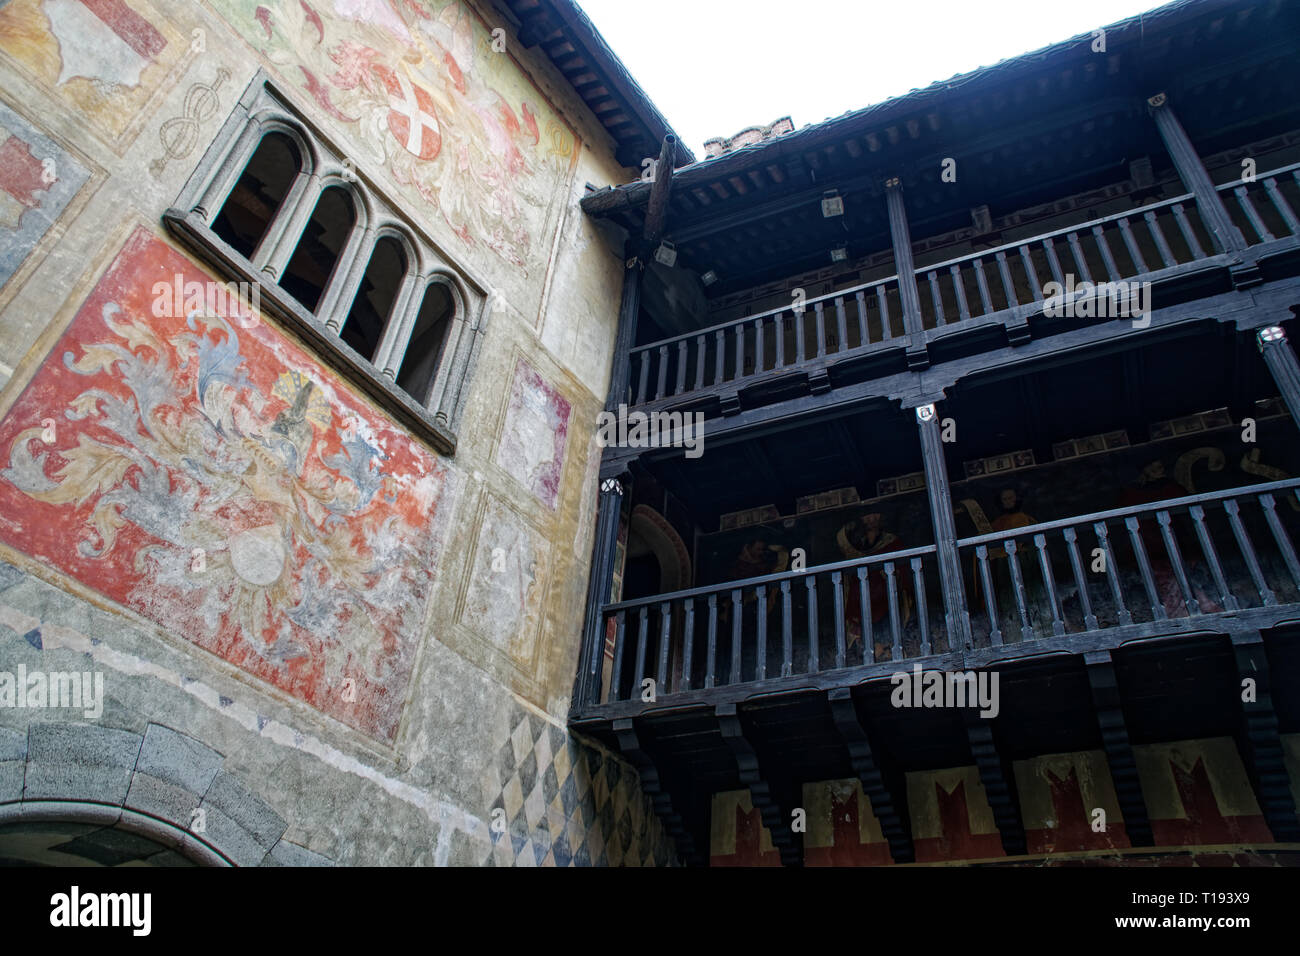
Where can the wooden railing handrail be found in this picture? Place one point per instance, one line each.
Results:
(1063, 231)
(1259, 177)
(991, 253)
(997, 537)
(969, 257)
(808, 303)
(723, 586)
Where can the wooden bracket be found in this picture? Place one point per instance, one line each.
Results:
(1119, 751)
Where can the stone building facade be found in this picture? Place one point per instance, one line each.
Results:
(335, 603)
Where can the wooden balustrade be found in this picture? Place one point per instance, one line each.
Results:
(1139, 567)
(1267, 207)
(803, 334)
(831, 616)
(981, 287)
(1185, 557)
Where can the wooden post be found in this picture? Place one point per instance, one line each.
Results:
(1281, 361)
(1192, 172)
(656, 210)
(902, 240)
(945, 529)
(628, 310)
(604, 552)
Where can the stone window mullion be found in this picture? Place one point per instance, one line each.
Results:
(229, 170)
(442, 375)
(277, 246)
(348, 273)
(450, 398)
(401, 323)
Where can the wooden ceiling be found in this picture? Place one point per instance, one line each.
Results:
(1190, 369)
(597, 75)
(1037, 128)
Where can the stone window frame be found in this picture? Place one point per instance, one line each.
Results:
(263, 110)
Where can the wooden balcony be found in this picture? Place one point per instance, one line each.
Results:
(987, 298)
(1135, 624)
(1208, 562)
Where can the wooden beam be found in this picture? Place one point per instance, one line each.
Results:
(956, 616)
(770, 798)
(999, 782)
(1227, 237)
(1261, 748)
(656, 214)
(1119, 751)
(653, 786)
(604, 550)
(889, 804)
(1280, 358)
(903, 262)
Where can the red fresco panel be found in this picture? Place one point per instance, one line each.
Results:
(195, 465)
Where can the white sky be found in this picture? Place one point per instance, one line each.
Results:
(714, 67)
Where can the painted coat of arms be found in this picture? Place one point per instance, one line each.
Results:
(195, 465)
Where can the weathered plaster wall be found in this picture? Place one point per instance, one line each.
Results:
(408, 669)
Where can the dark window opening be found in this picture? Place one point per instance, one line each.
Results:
(423, 354)
(384, 273)
(265, 181)
(323, 239)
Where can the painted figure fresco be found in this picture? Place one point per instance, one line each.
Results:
(426, 90)
(205, 472)
(1154, 484)
(862, 537)
(761, 554)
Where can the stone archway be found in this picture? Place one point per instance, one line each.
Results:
(83, 794)
(674, 560)
(666, 544)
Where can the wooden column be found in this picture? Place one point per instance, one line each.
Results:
(604, 553)
(945, 529)
(1281, 361)
(902, 241)
(1226, 236)
(628, 309)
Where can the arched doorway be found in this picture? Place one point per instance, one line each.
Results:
(658, 562)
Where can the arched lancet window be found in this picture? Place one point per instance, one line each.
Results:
(318, 251)
(335, 260)
(428, 338)
(374, 300)
(247, 212)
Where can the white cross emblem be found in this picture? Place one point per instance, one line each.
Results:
(416, 118)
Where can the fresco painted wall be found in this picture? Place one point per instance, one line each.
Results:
(368, 625)
(202, 470)
(1196, 792)
(427, 92)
